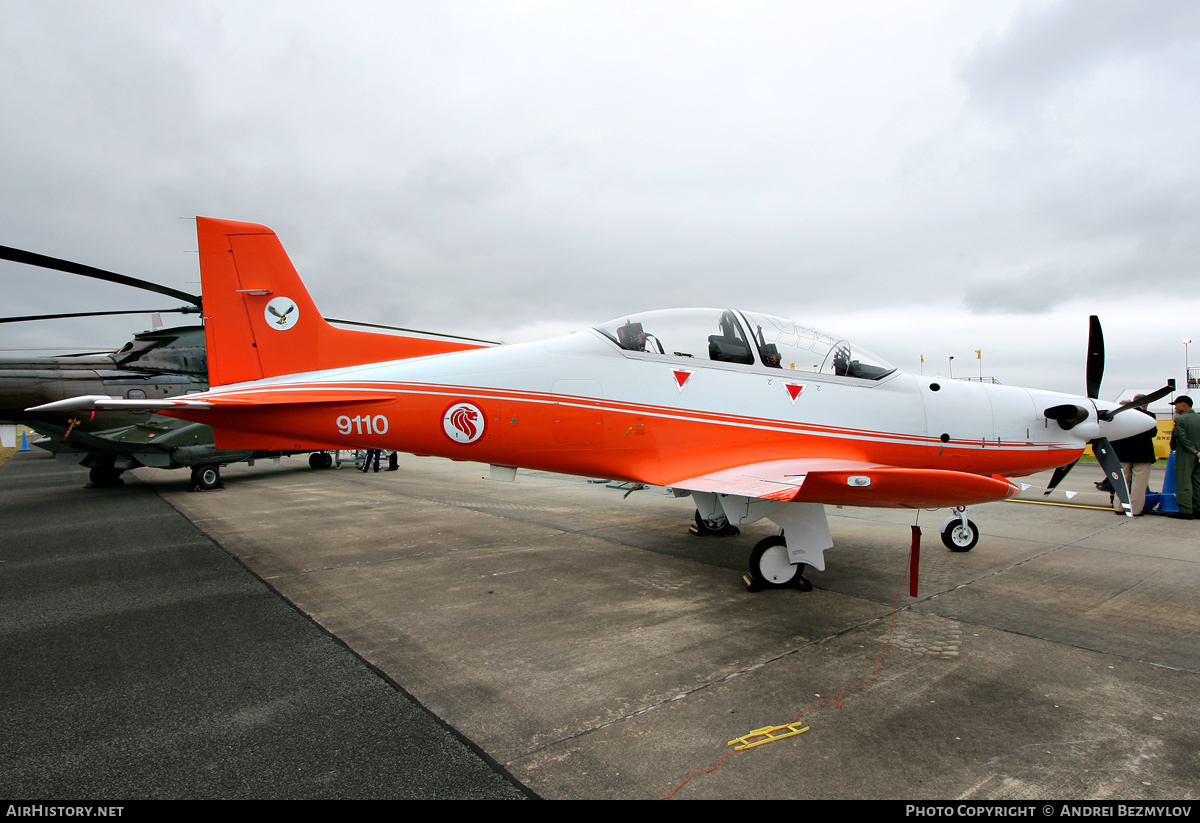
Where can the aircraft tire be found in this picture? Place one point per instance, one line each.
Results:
(770, 568)
(206, 477)
(100, 476)
(960, 539)
(703, 529)
(320, 460)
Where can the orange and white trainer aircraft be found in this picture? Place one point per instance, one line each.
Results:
(751, 415)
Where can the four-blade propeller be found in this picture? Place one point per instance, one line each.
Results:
(1070, 415)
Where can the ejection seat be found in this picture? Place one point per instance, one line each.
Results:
(729, 346)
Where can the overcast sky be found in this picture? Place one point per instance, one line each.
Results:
(923, 177)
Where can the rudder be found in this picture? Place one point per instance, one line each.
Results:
(260, 321)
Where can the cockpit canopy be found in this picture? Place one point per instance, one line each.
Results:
(747, 338)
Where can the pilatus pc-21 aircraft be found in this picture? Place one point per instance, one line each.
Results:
(751, 415)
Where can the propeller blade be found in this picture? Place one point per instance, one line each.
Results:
(1095, 358)
(1145, 401)
(180, 310)
(1112, 469)
(1059, 474)
(42, 261)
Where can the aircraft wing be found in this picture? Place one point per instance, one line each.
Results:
(852, 483)
(103, 444)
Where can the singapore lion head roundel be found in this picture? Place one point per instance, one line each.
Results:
(463, 423)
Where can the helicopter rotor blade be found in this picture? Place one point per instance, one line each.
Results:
(180, 310)
(417, 331)
(31, 259)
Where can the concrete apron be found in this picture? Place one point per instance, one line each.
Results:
(597, 650)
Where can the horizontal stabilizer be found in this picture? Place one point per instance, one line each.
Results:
(100, 402)
(207, 402)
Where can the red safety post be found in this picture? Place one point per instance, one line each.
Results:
(916, 560)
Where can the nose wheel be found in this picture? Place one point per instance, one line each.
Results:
(770, 567)
(960, 536)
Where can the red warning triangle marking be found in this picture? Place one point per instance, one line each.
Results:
(794, 390)
(681, 377)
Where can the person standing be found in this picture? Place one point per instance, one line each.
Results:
(1137, 456)
(1187, 458)
(372, 457)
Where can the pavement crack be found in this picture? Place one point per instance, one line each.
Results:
(666, 700)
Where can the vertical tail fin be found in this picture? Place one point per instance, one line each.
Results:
(260, 320)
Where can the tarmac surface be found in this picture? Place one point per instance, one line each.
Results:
(142, 661)
(589, 645)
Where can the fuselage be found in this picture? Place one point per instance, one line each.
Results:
(583, 405)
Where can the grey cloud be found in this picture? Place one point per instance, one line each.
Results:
(1035, 292)
(484, 168)
(1049, 44)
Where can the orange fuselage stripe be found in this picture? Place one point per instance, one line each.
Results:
(578, 435)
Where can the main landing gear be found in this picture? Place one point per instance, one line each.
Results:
(771, 569)
(102, 476)
(771, 566)
(713, 528)
(320, 460)
(206, 478)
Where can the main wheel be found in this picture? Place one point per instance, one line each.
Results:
(207, 477)
(771, 569)
(717, 528)
(105, 476)
(960, 538)
(320, 460)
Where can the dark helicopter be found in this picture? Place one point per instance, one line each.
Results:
(162, 362)
(155, 364)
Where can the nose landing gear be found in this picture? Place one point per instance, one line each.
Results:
(958, 533)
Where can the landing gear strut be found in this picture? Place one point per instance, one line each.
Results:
(770, 567)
